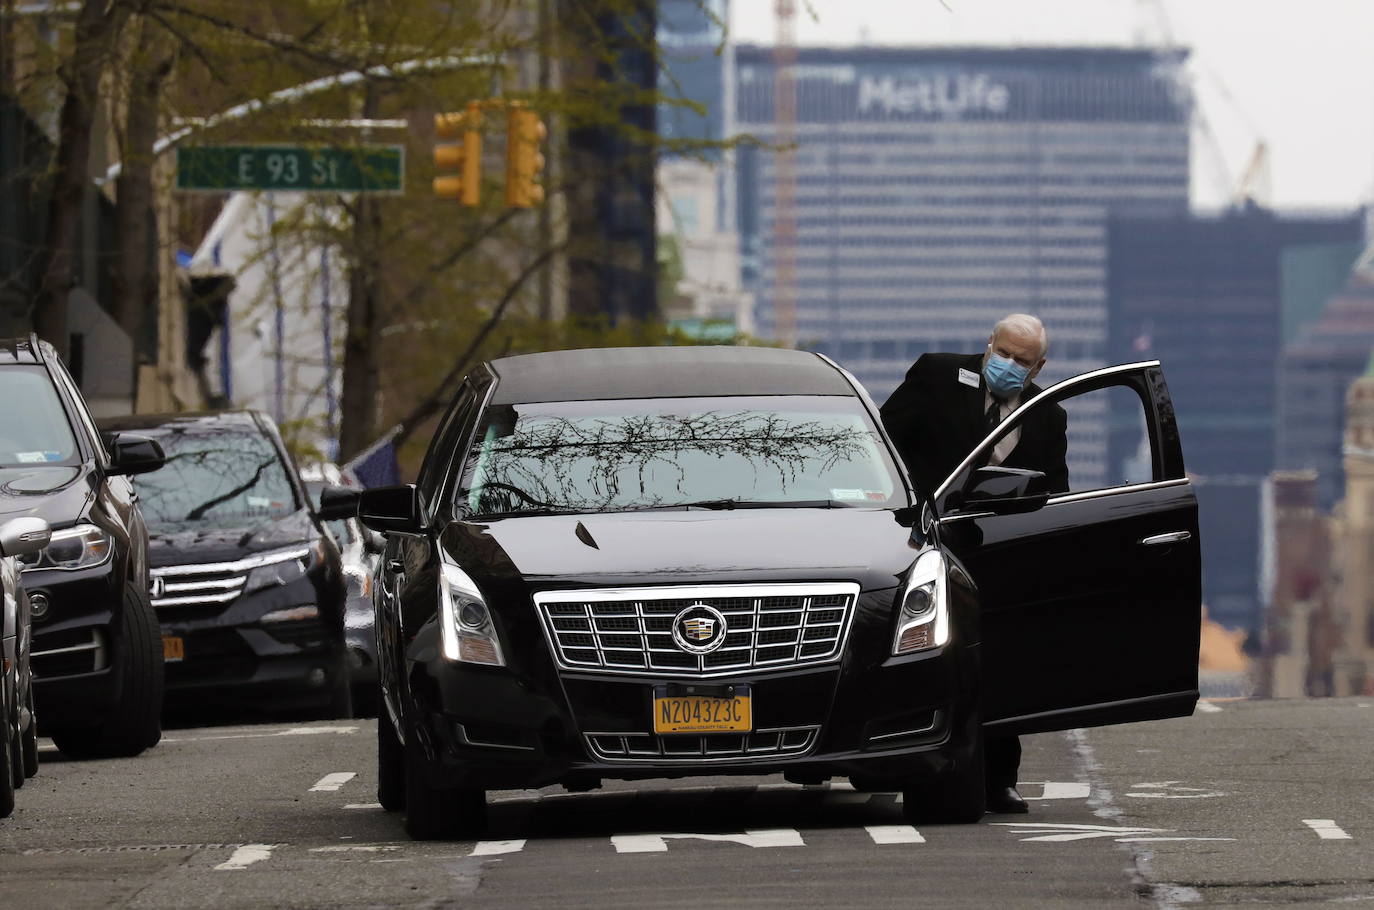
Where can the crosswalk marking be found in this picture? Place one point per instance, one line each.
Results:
(1058, 789)
(497, 847)
(362, 805)
(332, 782)
(894, 834)
(658, 843)
(246, 856)
(1326, 828)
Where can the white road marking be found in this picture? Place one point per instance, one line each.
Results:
(294, 731)
(1206, 707)
(658, 843)
(246, 856)
(894, 834)
(1047, 832)
(1170, 789)
(331, 782)
(362, 805)
(497, 847)
(1058, 789)
(1326, 828)
(357, 848)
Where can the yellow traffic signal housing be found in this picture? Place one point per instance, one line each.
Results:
(524, 162)
(458, 155)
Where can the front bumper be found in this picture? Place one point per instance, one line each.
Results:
(898, 719)
(77, 644)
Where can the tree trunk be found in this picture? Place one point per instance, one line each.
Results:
(135, 276)
(97, 27)
(358, 403)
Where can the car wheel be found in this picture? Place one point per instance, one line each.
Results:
(7, 772)
(29, 746)
(391, 769)
(956, 797)
(135, 723)
(438, 814)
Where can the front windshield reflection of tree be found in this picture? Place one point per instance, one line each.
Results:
(216, 477)
(665, 452)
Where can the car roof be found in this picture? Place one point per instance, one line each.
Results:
(183, 420)
(686, 371)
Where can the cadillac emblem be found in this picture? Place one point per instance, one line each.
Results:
(699, 629)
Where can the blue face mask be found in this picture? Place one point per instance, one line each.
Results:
(1005, 378)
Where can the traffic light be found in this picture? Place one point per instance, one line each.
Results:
(524, 162)
(458, 155)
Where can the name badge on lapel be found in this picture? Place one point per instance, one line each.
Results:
(968, 377)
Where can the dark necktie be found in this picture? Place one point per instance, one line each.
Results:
(992, 417)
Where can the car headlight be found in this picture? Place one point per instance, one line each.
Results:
(923, 617)
(467, 629)
(281, 567)
(78, 547)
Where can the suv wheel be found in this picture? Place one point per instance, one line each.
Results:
(135, 723)
(391, 770)
(433, 813)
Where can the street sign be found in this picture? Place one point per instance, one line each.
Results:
(308, 169)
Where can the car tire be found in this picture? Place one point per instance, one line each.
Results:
(391, 769)
(8, 747)
(956, 797)
(135, 723)
(29, 746)
(433, 813)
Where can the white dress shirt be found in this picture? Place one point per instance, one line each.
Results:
(1002, 451)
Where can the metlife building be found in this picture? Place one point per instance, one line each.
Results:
(938, 189)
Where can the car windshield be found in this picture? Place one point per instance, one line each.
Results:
(215, 476)
(33, 424)
(664, 453)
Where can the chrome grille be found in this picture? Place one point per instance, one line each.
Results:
(192, 585)
(782, 741)
(630, 630)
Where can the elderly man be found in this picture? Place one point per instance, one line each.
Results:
(949, 403)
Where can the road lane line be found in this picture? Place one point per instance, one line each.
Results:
(497, 847)
(1060, 789)
(331, 782)
(658, 843)
(1206, 707)
(894, 834)
(1326, 828)
(357, 848)
(294, 731)
(246, 856)
(362, 805)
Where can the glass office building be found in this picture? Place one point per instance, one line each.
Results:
(938, 189)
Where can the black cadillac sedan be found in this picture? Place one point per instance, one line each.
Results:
(648, 563)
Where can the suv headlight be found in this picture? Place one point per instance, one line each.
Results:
(467, 629)
(923, 618)
(78, 547)
(281, 567)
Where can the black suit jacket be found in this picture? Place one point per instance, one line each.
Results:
(936, 420)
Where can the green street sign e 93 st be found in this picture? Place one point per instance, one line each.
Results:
(300, 169)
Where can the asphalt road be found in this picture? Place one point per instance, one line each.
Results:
(1246, 803)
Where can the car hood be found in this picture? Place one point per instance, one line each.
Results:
(170, 546)
(58, 494)
(639, 548)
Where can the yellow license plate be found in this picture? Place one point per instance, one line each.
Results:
(173, 648)
(703, 713)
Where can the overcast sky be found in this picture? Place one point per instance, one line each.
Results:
(1298, 74)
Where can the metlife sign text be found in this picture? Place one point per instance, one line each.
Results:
(952, 95)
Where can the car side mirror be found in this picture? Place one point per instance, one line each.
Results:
(337, 503)
(1006, 491)
(391, 510)
(131, 454)
(21, 536)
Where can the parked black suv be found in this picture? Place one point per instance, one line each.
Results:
(97, 661)
(19, 746)
(247, 584)
(670, 561)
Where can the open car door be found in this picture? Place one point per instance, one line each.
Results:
(1091, 598)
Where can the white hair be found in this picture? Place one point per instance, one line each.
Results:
(1024, 324)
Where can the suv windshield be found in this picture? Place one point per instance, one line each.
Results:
(33, 423)
(624, 455)
(225, 477)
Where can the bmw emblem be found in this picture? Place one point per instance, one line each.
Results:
(699, 629)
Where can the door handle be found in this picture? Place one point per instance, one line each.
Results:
(1160, 540)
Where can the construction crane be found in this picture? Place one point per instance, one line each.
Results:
(785, 174)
